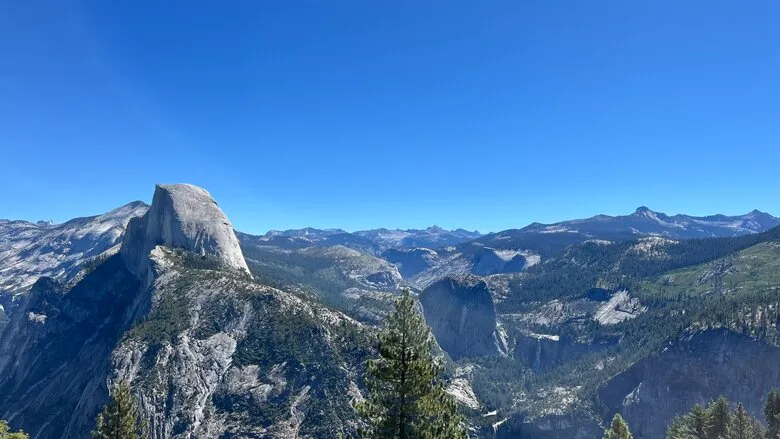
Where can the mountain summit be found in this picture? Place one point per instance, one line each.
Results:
(181, 216)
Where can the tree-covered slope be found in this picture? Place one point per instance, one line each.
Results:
(682, 289)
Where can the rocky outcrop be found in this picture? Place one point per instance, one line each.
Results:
(696, 369)
(486, 261)
(462, 316)
(243, 360)
(181, 216)
(621, 306)
(387, 280)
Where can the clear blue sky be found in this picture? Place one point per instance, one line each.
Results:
(360, 114)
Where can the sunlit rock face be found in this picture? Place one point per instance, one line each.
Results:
(181, 216)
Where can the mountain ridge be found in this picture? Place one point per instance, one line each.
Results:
(31, 250)
(532, 337)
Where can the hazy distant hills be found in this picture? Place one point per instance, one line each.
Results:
(372, 241)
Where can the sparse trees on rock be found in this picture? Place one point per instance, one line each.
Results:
(406, 395)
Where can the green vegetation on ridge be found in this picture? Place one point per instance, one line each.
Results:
(731, 283)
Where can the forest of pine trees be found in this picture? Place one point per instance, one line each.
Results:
(719, 421)
(715, 421)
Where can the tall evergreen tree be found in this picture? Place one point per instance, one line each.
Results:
(406, 395)
(119, 419)
(772, 415)
(719, 416)
(743, 426)
(6, 433)
(699, 422)
(618, 429)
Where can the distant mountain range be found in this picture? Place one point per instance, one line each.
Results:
(225, 333)
(644, 222)
(372, 241)
(30, 250)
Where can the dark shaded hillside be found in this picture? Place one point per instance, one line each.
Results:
(72, 333)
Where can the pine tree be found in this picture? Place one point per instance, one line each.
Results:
(680, 428)
(699, 422)
(6, 433)
(119, 419)
(618, 429)
(406, 396)
(772, 414)
(742, 426)
(719, 416)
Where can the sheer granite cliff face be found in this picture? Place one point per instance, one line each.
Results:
(462, 316)
(696, 369)
(181, 216)
(54, 355)
(542, 352)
